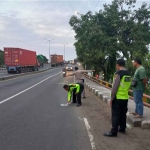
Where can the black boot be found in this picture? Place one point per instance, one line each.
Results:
(122, 131)
(110, 134)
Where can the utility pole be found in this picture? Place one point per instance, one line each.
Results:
(49, 50)
(64, 52)
(64, 49)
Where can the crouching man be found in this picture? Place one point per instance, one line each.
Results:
(77, 88)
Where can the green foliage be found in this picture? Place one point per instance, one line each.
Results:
(42, 59)
(1, 57)
(112, 33)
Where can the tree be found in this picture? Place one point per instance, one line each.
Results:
(111, 33)
(42, 58)
(1, 57)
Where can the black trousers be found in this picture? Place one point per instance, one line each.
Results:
(119, 111)
(74, 98)
(77, 97)
(83, 80)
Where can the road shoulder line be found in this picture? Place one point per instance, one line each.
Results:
(5, 100)
(90, 134)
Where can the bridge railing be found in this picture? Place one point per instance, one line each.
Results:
(2, 67)
(109, 86)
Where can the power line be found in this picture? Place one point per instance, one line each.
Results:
(11, 37)
(96, 5)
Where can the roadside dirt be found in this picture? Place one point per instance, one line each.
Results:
(98, 114)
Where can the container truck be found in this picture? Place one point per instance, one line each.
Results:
(57, 60)
(40, 60)
(20, 60)
(71, 61)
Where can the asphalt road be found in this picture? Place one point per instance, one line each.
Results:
(32, 117)
(4, 72)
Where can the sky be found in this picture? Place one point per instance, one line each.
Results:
(29, 24)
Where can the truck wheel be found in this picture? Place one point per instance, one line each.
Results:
(22, 70)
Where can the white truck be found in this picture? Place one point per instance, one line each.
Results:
(71, 61)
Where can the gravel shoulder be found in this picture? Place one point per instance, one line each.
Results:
(98, 114)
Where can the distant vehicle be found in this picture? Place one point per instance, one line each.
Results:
(57, 60)
(20, 60)
(64, 72)
(71, 61)
(69, 68)
(40, 61)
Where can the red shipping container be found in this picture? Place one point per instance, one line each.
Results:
(56, 59)
(19, 57)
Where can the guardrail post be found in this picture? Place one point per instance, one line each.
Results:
(106, 84)
(144, 99)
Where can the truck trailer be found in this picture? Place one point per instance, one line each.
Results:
(57, 60)
(40, 60)
(19, 60)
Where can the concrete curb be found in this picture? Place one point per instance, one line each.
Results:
(23, 74)
(2, 68)
(101, 95)
(145, 124)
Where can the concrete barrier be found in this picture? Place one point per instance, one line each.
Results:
(2, 68)
(145, 124)
(93, 89)
(104, 96)
(100, 94)
(96, 92)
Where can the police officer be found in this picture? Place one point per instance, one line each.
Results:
(77, 89)
(79, 77)
(119, 99)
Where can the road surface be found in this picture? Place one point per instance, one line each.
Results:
(32, 117)
(4, 72)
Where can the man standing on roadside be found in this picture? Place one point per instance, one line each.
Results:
(119, 99)
(78, 77)
(139, 87)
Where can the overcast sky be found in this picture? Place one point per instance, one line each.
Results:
(27, 23)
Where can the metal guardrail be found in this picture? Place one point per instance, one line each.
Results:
(23, 74)
(2, 67)
(109, 86)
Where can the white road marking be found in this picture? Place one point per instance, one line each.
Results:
(90, 134)
(27, 89)
(80, 118)
(64, 104)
